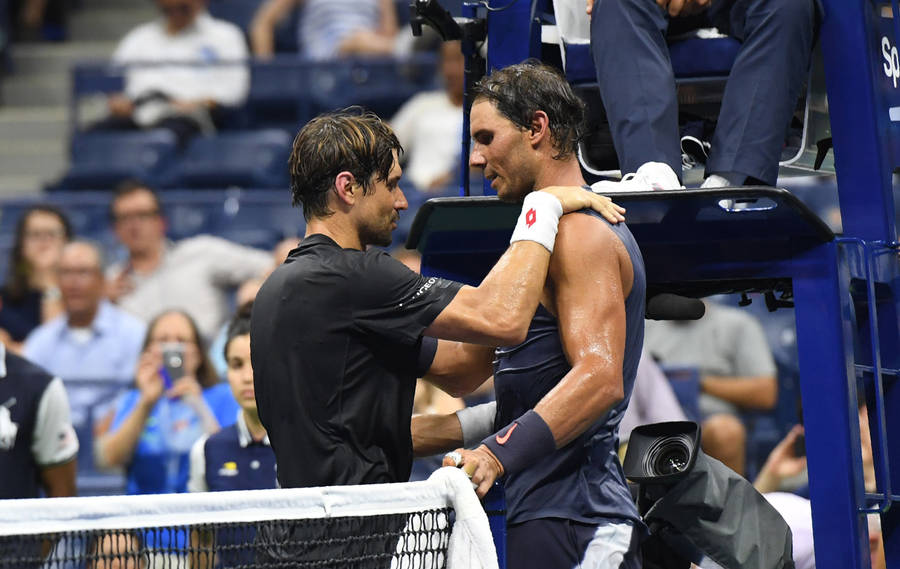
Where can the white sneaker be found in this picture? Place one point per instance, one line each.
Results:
(650, 176)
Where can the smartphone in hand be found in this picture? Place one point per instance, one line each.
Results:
(173, 363)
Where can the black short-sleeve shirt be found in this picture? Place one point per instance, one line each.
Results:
(335, 340)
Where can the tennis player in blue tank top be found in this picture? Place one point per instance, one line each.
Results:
(562, 392)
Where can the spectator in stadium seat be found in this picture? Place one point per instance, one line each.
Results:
(153, 426)
(337, 330)
(185, 70)
(628, 43)
(238, 457)
(329, 28)
(429, 126)
(31, 295)
(783, 464)
(92, 339)
(245, 294)
(737, 372)
(196, 274)
(38, 446)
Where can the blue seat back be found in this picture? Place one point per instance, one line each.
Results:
(247, 159)
(100, 160)
(380, 85)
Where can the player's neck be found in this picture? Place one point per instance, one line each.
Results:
(559, 173)
(338, 229)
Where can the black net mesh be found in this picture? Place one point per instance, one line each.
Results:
(416, 540)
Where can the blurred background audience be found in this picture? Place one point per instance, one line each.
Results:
(91, 340)
(329, 28)
(174, 402)
(31, 292)
(183, 71)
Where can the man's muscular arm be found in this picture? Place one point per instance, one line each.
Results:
(498, 311)
(459, 368)
(590, 306)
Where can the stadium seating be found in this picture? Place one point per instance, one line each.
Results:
(246, 159)
(241, 12)
(278, 95)
(251, 149)
(100, 160)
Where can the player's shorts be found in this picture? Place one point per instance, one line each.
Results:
(553, 543)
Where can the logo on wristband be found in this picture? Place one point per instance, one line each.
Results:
(502, 440)
(530, 217)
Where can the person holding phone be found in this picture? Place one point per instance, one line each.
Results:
(177, 398)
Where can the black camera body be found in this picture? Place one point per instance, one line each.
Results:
(694, 505)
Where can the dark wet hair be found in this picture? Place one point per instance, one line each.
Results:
(351, 140)
(520, 90)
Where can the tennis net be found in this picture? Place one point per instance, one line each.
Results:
(437, 523)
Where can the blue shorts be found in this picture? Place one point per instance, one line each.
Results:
(553, 543)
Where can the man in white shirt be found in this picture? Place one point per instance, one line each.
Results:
(196, 274)
(429, 126)
(93, 346)
(184, 70)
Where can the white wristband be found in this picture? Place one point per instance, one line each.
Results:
(539, 220)
(476, 422)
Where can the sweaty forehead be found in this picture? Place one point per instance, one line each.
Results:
(486, 117)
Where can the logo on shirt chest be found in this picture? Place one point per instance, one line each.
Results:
(229, 469)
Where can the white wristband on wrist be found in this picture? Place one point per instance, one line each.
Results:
(539, 220)
(476, 422)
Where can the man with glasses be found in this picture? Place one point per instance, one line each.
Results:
(195, 274)
(191, 96)
(93, 344)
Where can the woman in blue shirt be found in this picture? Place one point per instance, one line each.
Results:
(153, 426)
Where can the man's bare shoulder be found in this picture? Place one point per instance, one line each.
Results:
(589, 250)
(583, 232)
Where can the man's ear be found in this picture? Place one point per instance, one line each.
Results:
(540, 128)
(346, 188)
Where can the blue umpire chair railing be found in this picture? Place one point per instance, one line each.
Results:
(844, 288)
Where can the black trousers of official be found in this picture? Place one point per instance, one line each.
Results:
(628, 43)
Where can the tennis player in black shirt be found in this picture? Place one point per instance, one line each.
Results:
(340, 333)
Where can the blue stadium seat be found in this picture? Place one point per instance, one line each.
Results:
(100, 160)
(257, 218)
(380, 85)
(244, 159)
(279, 94)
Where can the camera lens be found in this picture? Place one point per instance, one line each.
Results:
(669, 455)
